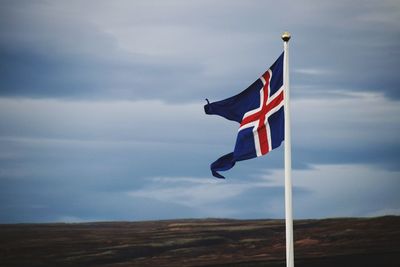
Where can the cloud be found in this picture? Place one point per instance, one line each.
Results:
(347, 128)
(321, 191)
(208, 197)
(384, 212)
(45, 137)
(113, 121)
(346, 190)
(186, 50)
(313, 72)
(194, 195)
(99, 99)
(350, 120)
(338, 190)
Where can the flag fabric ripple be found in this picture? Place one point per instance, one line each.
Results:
(259, 111)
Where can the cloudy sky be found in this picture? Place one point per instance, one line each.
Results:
(101, 108)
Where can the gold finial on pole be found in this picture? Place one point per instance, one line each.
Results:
(286, 36)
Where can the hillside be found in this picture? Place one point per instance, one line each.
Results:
(207, 242)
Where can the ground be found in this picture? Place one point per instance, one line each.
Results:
(202, 242)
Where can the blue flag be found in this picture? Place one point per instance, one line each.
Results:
(260, 112)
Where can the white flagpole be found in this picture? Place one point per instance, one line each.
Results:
(288, 156)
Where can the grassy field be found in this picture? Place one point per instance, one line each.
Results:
(207, 242)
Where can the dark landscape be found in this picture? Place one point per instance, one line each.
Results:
(202, 242)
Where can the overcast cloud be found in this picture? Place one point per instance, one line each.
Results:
(101, 108)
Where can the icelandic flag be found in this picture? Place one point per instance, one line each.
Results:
(260, 112)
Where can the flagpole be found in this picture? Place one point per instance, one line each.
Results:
(288, 156)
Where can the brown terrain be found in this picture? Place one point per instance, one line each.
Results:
(207, 242)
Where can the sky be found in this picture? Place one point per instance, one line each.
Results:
(101, 109)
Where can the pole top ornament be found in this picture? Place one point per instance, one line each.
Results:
(286, 36)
